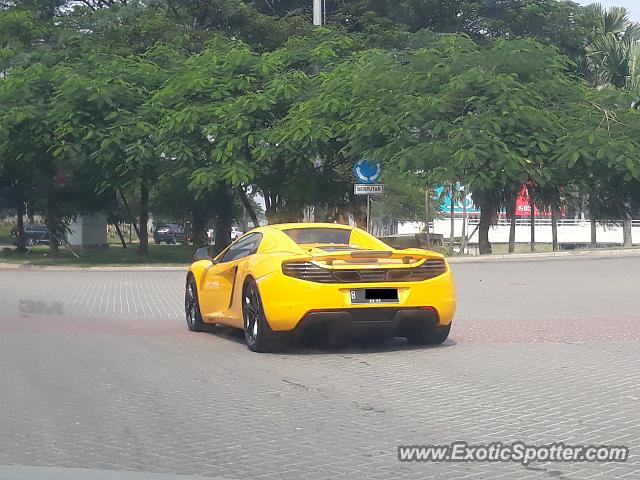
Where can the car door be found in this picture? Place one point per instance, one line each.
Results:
(220, 279)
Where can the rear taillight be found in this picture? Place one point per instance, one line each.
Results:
(429, 269)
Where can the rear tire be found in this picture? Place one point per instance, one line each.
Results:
(429, 336)
(257, 332)
(192, 306)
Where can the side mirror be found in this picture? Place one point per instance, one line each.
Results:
(202, 254)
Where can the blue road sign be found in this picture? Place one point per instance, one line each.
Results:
(368, 171)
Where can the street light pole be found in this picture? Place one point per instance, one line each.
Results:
(317, 13)
(368, 213)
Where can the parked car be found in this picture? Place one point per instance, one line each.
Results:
(169, 233)
(34, 233)
(236, 233)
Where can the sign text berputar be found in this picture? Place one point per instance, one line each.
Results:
(368, 189)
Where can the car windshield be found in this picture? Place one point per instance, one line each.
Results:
(303, 236)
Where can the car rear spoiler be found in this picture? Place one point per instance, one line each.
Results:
(406, 256)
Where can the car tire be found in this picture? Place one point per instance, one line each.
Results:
(429, 336)
(257, 332)
(192, 306)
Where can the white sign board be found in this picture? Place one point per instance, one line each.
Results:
(368, 189)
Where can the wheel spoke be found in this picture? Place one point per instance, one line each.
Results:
(190, 304)
(252, 315)
(250, 328)
(252, 309)
(250, 305)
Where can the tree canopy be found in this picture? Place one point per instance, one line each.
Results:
(187, 108)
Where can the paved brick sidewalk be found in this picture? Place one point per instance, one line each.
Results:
(541, 352)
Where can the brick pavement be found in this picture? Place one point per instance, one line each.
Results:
(116, 382)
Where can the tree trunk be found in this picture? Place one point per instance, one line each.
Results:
(594, 222)
(512, 227)
(22, 240)
(320, 213)
(119, 232)
(143, 229)
(487, 216)
(273, 210)
(427, 208)
(247, 205)
(199, 217)
(464, 218)
(52, 225)
(627, 241)
(465, 240)
(533, 223)
(554, 226)
(224, 218)
(132, 220)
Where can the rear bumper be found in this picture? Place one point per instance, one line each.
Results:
(386, 321)
(288, 302)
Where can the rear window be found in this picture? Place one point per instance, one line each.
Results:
(319, 235)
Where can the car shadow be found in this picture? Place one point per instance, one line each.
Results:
(326, 344)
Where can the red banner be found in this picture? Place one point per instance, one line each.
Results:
(523, 209)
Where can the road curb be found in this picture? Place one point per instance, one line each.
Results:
(124, 268)
(549, 255)
(471, 259)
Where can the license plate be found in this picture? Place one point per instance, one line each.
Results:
(374, 295)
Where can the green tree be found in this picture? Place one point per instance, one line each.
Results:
(614, 61)
(104, 115)
(614, 51)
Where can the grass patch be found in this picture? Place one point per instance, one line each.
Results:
(114, 255)
(503, 248)
(5, 234)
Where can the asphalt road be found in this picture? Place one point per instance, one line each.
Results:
(97, 370)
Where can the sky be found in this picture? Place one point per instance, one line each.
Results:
(632, 5)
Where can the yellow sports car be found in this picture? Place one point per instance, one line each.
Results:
(308, 278)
